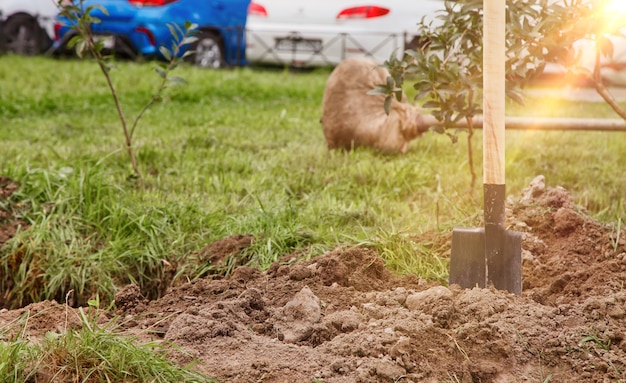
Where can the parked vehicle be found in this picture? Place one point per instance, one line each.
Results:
(137, 28)
(611, 15)
(27, 26)
(324, 32)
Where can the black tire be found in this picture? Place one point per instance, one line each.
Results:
(3, 45)
(24, 36)
(208, 51)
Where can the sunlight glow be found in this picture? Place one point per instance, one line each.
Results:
(615, 8)
(614, 12)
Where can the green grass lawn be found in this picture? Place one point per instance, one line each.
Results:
(240, 152)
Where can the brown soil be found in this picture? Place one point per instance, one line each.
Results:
(342, 317)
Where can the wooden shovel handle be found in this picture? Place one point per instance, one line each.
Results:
(493, 91)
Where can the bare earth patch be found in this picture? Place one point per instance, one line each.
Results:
(342, 317)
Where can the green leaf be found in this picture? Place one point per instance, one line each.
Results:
(166, 53)
(431, 104)
(173, 31)
(74, 40)
(174, 50)
(177, 80)
(94, 302)
(99, 7)
(161, 72)
(390, 82)
(605, 45)
(420, 94)
(98, 45)
(387, 104)
(188, 40)
(379, 90)
(190, 27)
(398, 94)
(179, 32)
(454, 138)
(81, 48)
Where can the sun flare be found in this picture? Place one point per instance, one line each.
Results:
(614, 14)
(615, 8)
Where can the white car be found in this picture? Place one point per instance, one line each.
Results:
(612, 14)
(28, 25)
(612, 69)
(324, 32)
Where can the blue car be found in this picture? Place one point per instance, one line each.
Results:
(138, 28)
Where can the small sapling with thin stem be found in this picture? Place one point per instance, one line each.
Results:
(85, 42)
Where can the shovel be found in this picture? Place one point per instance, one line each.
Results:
(491, 255)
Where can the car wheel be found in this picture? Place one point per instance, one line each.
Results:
(23, 35)
(2, 39)
(208, 51)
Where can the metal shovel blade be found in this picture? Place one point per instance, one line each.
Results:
(472, 265)
(490, 255)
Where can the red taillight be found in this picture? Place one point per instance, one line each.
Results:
(148, 33)
(150, 3)
(256, 9)
(363, 12)
(57, 31)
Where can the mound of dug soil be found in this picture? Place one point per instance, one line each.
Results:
(342, 317)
